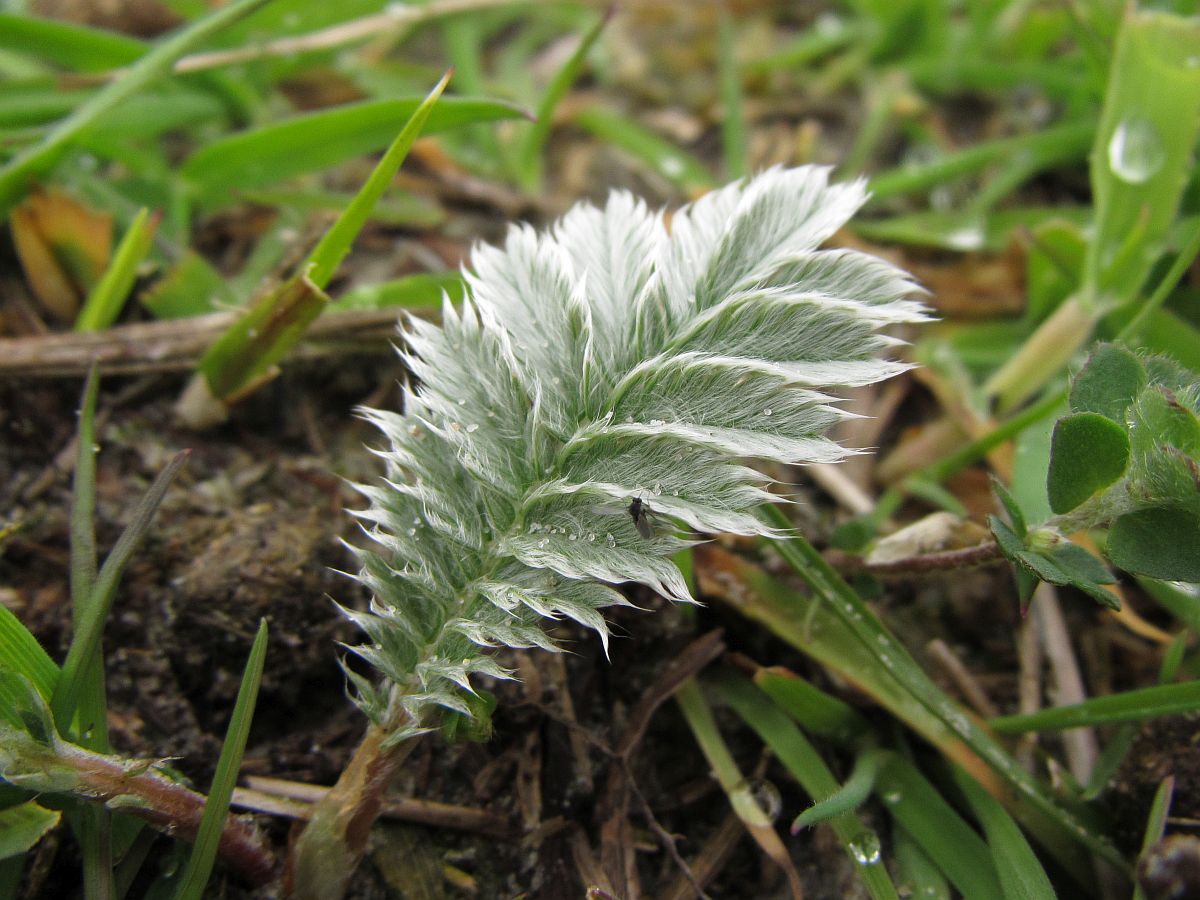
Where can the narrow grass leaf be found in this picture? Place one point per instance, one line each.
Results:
(1021, 874)
(190, 287)
(917, 874)
(325, 258)
(83, 498)
(93, 701)
(805, 764)
(23, 654)
(1156, 824)
(72, 46)
(1052, 146)
(34, 161)
(957, 231)
(529, 158)
(704, 728)
(889, 673)
(1129, 706)
(729, 81)
(216, 809)
(942, 833)
(245, 354)
(104, 302)
(316, 141)
(1143, 151)
(412, 292)
(850, 795)
(671, 162)
(88, 629)
(398, 210)
(814, 709)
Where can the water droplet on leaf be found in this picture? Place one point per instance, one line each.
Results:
(865, 848)
(1136, 151)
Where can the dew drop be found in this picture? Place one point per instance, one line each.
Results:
(671, 166)
(610, 540)
(968, 238)
(411, 532)
(472, 428)
(767, 411)
(768, 798)
(1135, 151)
(462, 401)
(865, 848)
(572, 537)
(892, 797)
(591, 535)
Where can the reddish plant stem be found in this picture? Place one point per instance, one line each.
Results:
(166, 805)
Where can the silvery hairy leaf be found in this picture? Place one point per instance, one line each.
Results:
(607, 360)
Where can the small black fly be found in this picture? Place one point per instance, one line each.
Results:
(639, 511)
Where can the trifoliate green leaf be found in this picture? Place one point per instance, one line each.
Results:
(1088, 452)
(1108, 382)
(1161, 542)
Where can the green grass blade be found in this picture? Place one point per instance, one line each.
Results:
(529, 159)
(1053, 146)
(411, 292)
(23, 654)
(1021, 874)
(400, 210)
(35, 102)
(805, 764)
(333, 247)
(104, 302)
(1129, 706)
(34, 161)
(849, 796)
(676, 165)
(917, 874)
(1188, 252)
(247, 351)
(86, 639)
(1156, 823)
(729, 81)
(854, 642)
(64, 44)
(700, 720)
(1142, 158)
(83, 498)
(818, 712)
(190, 287)
(942, 833)
(216, 809)
(319, 140)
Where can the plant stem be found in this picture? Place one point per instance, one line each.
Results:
(335, 839)
(1043, 355)
(136, 788)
